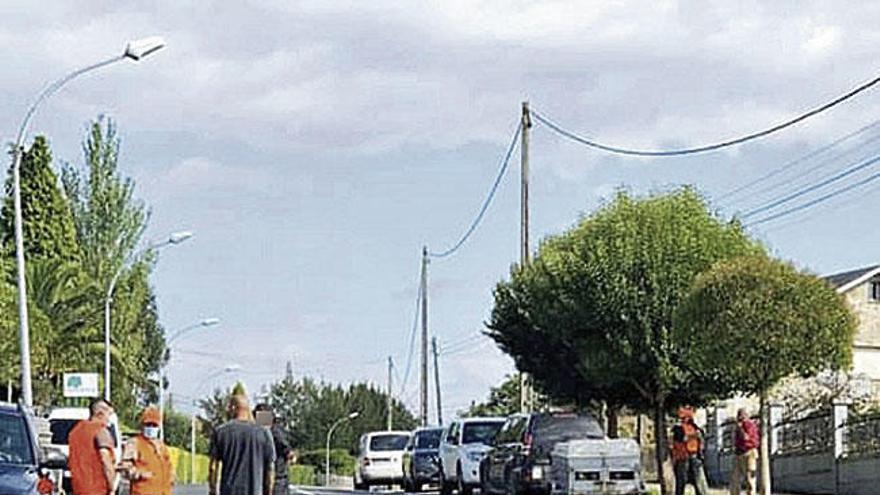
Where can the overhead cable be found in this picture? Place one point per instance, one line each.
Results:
(711, 147)
(787, 166)
(504, 165)
(834, 178)
(412, 338)
(821, 199)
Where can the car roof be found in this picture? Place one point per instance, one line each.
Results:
(482, 420)
(428, 428)
(9, 407)
(378, 433)
(69, 413)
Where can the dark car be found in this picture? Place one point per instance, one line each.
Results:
(519, 460)
(421, 463)
(21, 460)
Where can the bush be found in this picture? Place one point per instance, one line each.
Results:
(303, 475)
(180, 459)
(341, 462)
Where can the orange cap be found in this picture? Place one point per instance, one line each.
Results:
(151, 415)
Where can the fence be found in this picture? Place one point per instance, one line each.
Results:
(829, 452)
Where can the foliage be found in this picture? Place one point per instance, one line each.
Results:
(48, 225)
(306, 410)
(754, 321)
(503, 400)
(303, 475)
(177, 431)
(803, 396)
(341, 461)
(599, 300)
(181, 460)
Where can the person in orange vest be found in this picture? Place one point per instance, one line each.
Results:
(146, 460)
(687, 454)
(91, 461)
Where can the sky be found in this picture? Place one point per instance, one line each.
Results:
(314, 147)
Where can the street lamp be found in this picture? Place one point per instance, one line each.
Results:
(230, 368)
(172, 240)
(329, 435)
(135, 50)
(207, 322)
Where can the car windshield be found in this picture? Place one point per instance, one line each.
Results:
(15, 446)
(480, 432)
(428, 439)
(550, 430)
(60, 429)
(383, 443)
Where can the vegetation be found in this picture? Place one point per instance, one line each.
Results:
(78, 232)
(600, 298)
(753, 321)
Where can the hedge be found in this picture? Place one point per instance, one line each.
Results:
(180, 459)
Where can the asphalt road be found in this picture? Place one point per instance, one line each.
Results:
(203, 490)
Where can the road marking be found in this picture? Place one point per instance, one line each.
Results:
(304, 492)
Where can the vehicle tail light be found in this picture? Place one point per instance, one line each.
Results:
(45, 486)
(527, 442)
(622, 475)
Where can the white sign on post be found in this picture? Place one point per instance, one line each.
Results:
(81, 385)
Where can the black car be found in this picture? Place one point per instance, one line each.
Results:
(21, 460)
(421, 463)
(518, 463)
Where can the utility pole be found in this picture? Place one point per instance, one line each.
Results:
(525, 393)
(423, 403)
(437, 381)
(390, 401)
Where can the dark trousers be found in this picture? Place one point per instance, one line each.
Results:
(690, 471)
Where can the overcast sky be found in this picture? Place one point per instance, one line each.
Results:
(314, 147)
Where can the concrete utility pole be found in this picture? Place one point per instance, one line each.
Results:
(437, 381)
(389, 400)
(423, 403)
(525, 393)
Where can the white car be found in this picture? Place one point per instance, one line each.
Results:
(462, 449)
(62, 420)
(380, 459)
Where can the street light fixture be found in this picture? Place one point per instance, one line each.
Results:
(329, 435)
(207, 322)
(135, 50)
(173, 239)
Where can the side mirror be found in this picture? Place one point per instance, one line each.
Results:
(54, 459)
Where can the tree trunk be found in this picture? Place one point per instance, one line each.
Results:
(766, 477)
(661, 441)
(613, 421)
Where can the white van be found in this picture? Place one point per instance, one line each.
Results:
(62, 420)
(380, 459)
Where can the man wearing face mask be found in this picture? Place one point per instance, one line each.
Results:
(146, 459)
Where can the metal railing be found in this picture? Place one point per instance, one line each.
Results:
(809, 435)
(861, 436)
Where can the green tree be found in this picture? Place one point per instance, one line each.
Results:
(598, 302)
(752, 321)
(109, 224)
(48, 226)
(503, 400)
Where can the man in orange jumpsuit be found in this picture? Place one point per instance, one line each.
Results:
(687, 454)
(91, 462)
(146, 459)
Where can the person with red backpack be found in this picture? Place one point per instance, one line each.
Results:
(687, 454)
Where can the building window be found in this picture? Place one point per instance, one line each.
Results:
(874, 294)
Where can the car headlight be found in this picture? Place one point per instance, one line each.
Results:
(537, 472)
(475, 456)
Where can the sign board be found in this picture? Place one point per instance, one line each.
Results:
(81, 385)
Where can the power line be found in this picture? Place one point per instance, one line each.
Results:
(813, 187)
(412, 338)
(711, 147)
(486, 202)
(818, 200)
(787, 166)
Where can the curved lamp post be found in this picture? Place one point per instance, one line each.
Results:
(135, 50)
(207, 322)
(329, 435)
(172, 240)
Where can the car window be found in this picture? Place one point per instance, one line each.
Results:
(427, 439)
(385, 443)
(15, 444)
(552, 429)
(482, 432)
(452, 434)
(60, 429)
(507, 434)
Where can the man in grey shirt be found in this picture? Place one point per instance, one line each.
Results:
(246, 453)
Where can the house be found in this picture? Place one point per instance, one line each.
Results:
(861, 288)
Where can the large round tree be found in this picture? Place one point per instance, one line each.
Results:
(753, 321)
(591, 316)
